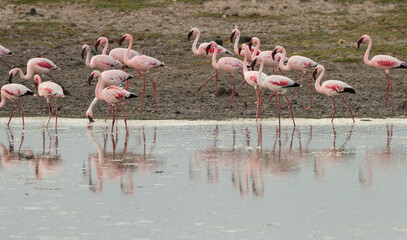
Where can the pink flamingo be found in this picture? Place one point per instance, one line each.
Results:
(41, 66)
(251, 78)
(230, 65)
(49, 90)
(278, 85)
(266, 55)
(238, 52)
(201, 51)
(141, 63)
(383, 62)
(332, 88)
(116, 53)
(113, 95)
(99, 62)
(296, 63)
(108, 78)
(5, 52)
(14, 91)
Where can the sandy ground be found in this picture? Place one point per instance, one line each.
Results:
(162, 33)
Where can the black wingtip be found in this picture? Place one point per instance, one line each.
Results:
(132, 95)
(29, 92)
(403, 65)
(349, 90)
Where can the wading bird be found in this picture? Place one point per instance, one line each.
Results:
(13, 92)
(99, 62)
(42, 66)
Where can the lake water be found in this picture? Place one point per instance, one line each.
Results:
(204, 180)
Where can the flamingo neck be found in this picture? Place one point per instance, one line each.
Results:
(127, 53)
(236, 45)
(318, 82)
(259, 73)
(28, 75)
(106, 42)
(256, 49)
(366, 57)
(245, 70)
(194, 48)
(215, 65)
(89, 112)
(281, 63)
(99, 88)
(3, 101)
(88, 58)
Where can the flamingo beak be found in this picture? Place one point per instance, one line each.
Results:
(83, 53)
(207, 49)
(240, 49)
(10, 77)
(121, 40)
(273, 54)
(190, 35)
(360, 42)
(314, 74)
(97, 45)
(250, 45)
(36, 85)
(253, 63)
(90, 78)
(91, 119)
(232, 36)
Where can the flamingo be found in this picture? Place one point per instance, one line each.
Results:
(278, 85)
(5, 52)
(296, 63)
(201, 51)
(49, 90)
(238, 52)
(113, 95)
(228, 64)
(116, 53)
(41, 66)
(109, 78)
(251, 78)
(14, 91)
(99, 62)
(332, 88)
(383, 62)
(141, 63)
(266, 55)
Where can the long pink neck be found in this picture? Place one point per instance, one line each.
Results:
(106, 42)
(256, 49)
(30, 73)
(127, 53)
(236, 45)
(245, 70)
(260, 73)
(215, 65)
(3, 101)
(281, 63)
(88, 58)
(99, 88)
(318, 82)
(89, 112)
(194, 45)
(366, 57)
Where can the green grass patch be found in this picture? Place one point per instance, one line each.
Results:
(348, 60)
(127, 4)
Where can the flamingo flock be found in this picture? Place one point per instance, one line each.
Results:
(109, 90)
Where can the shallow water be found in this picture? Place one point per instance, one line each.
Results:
(204, 180)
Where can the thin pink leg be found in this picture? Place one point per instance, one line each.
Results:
(124, 116)
(138, 75)
(245, 94)
(274, 71)
(142, 95)
(258, 105)
(233, 94)
(350, 110)
(56, 114)
(216, 84)
(49, 110)
(215, 75)
(22, 112)
(389, 86)
(310, 91)
(110, 107)
(387, 90)
(333, 115)
(113, 117)
(261, 111)
(155, 100)
(281, 72)
(291, 109)
(271, 96)
(279, 111)
(296, 90)
(49, 75)
(5, 64)
(11, 115)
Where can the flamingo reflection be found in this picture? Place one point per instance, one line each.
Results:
(116, 164)
(11, 157)
(382, 157)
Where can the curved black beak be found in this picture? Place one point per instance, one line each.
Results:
(207, 49)
(91, 119)
(232, 36)
(253, 63)
(121, 40)
(190, 35)
(97, 45)
(10, 76)
(250, 45)
(90, 78)
(273, 54)
(360, 42)
(314, 74)
(83, 52)
(240, 49)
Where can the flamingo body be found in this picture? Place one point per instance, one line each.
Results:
(99, 62)
(5, 52)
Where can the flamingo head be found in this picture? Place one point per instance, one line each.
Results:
(254, 40)
(85, 48)
(363, 39)
(90, 118)
(210, 45)
(94, 74)
(11, 74)
(125, 37)
(192, 32)
(97, 43)
(276, 50)
(37, 81)
(318, 69)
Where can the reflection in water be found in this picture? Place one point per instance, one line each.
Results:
(332, 156)
(116, 164)
(11, 157)
(383, 157)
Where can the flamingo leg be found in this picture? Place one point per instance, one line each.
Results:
(389, 87)
(279, 111)
(155, 99)
(49, 75)
(271, 96)
(258, 105)
(310, 91)
(124, 116)
(215, 75)
(261, 111)
(333, 115)
(49, 110)
(350, 110)
(296, 90)
(11, 115)
(281, 72)
(245, 94)
(110, 107)
(5, 64)
(138, 75)
(56, 114)
(233, 94)
(142, 95)
(274, 72)
(22, 112)
(113, 119)
(291, 109)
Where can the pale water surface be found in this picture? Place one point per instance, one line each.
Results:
(204, 180)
